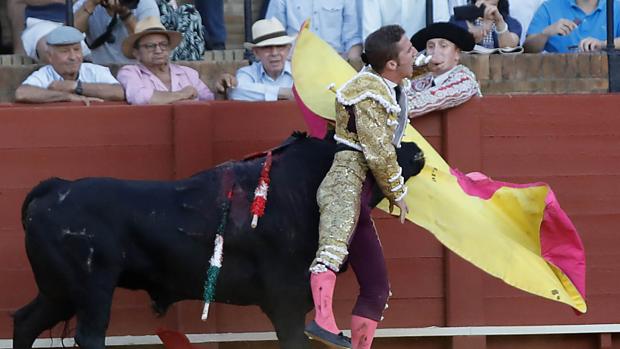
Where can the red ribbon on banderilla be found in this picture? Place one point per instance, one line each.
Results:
(260, 193)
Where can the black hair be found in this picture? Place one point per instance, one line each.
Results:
(381, 46)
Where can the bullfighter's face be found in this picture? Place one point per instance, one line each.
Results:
(445, 55)
(66, 59)
(153, 50)
(273, 58)
(406, 54)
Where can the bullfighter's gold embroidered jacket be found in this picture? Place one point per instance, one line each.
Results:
(374, 128)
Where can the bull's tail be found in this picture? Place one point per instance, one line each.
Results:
(41, 189)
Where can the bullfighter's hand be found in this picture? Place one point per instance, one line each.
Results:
(403, 209)
(63, 85)
(84, 99)
(225, 82)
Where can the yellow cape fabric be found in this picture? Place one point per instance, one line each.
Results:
(507, 224)
(317, 69)
(499, 235)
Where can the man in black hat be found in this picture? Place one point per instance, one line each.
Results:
(448, 83)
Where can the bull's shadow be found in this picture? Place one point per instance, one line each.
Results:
(86, 237)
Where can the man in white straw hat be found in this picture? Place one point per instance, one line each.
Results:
(270, 78)
(154, 80)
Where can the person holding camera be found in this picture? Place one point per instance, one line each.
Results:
(563, 26)
(489, 22)
(107, 23)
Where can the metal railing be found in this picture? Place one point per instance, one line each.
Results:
(69, 13)
(613, 59)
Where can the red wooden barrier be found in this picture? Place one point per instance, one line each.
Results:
(571, 142)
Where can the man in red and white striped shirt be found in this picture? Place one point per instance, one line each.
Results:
(448, 83)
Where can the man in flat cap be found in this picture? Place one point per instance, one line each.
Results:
(449, 83)
(67, 78)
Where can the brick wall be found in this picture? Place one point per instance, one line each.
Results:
(538, 73)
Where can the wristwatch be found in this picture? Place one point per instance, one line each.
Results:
(78, 88)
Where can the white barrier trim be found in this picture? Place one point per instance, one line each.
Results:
(382, 333)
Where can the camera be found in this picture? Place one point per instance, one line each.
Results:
(468, 12)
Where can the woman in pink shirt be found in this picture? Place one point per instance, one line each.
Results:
(154, 80)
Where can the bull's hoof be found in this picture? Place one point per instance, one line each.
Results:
(316, 332)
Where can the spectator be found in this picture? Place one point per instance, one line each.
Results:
(411, 15)
(154, 80)
(212, 13)
(334, 21)
(522, 11)
(449, 83)
(67, 78)
(563, 26)
(187, 21)
(108, 22)
(43, 16)
(270, 78)
(496, 28)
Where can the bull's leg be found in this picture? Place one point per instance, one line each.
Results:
(288, 319)
(36, 317)
(93, 312)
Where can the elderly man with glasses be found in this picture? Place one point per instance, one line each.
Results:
(154, 80)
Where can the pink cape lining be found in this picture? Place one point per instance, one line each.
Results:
(317, 126)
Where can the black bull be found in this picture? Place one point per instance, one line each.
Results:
(86, 237)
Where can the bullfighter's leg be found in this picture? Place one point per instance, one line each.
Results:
(36, 317)
(339, 198)
(368, 263)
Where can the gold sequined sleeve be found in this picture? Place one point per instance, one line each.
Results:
(375, 137)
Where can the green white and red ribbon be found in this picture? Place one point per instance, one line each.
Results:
(215, 263)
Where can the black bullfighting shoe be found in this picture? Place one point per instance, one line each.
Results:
(316, 332)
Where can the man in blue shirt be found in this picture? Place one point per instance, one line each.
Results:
(270, 78)
(334, 21)
(564, 26)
